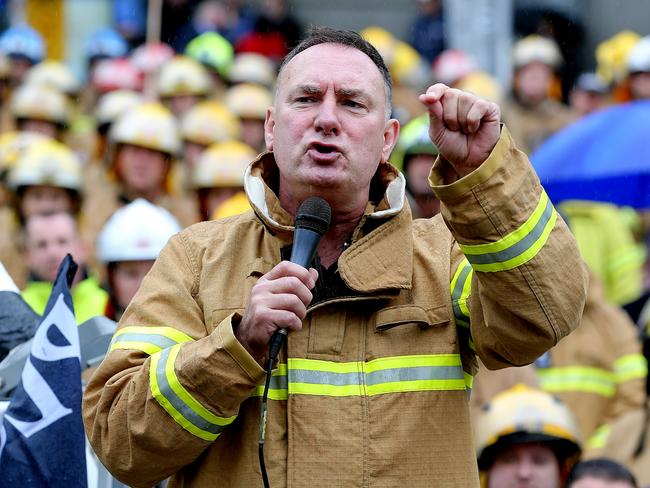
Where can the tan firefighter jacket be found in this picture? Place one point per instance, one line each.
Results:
(598, 370)
(372, 392)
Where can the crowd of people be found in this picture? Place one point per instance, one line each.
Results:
(161, 137)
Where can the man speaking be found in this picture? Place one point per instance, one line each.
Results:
(371, 387)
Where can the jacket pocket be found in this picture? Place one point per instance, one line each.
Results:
(401, 315)
(411, 329)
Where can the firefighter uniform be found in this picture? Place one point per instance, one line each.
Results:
(372, 391)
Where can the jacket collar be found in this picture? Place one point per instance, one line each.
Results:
(380, 256)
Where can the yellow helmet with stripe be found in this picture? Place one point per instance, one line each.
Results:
(47, 162)
(223, 165)
(13, 145)
(522, 415)
(209, 122)
(249, 101)
(147, 125)
(53, 74)
(183, 76)
(41, 103)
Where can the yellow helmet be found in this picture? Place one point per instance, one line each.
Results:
(383, 41)
(252, 68)
(235, 205)
(483, 85)
(612, 55)
(183, 76)
(40, 102)
(147, 125)
(536, 49)
(521, 415)
(208, 122)
(249, 101)
(223, 165)
(113, 104)
(408, 68)
(53, 74)
(13, 145)
(47, 162)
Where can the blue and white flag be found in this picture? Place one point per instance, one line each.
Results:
(42, 440)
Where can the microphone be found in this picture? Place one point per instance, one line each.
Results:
(312, 222)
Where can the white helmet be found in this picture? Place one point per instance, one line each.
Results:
(137, 231)
(536, 49)
(638, 61)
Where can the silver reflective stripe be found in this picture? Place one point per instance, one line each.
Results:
(414, 374)
(159, 340)
(518, 248)
(325, 377)
(176, 401)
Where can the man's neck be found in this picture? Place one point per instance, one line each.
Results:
(333, 243)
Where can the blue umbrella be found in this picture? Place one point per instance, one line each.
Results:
(604, 156)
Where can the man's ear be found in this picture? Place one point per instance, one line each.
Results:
(391, 134)
(269, 125)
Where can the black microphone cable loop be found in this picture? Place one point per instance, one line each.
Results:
(277, 341)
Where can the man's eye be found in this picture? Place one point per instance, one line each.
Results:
(304, 99)
(352, 103)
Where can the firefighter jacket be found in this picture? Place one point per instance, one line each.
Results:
(599, 371)
(608, 246)
(372, 391)
(531, 126)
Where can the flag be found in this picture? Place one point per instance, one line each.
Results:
(42, 440)
(18, 321)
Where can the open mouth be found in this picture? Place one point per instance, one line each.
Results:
(323, 148)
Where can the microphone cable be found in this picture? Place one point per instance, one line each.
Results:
(277, 340)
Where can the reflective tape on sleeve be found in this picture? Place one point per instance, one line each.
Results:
(149, 340)
(629, 367)
(518, 247)
(461, 287)
(188, 412)
(583, 379)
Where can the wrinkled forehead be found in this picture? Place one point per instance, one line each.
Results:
(328, 63)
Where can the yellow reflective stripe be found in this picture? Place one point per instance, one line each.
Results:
(277, 386)
(599, 438)
(146, 347)
(147, 339)
(519, 246)
(379, 376)
(189, 400)
(577, 378)
(512, 238)
(460, 289)
(630, 366)
(469, 380)
(178, 402)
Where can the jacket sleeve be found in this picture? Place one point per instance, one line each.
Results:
(167, 388)
(629, 366)
(516, 266)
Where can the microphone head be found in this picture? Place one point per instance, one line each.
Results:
(314, 214)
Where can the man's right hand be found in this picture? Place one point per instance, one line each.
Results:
(278, 300)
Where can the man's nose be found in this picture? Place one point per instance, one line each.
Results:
(327, 120)
(524, 469)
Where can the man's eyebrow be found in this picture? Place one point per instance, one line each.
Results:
(307, 89)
